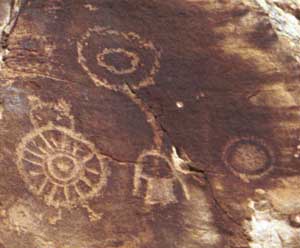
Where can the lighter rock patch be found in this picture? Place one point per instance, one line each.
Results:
(267, 231)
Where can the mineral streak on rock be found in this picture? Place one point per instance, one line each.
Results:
(142, 124)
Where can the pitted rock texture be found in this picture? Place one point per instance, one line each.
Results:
(145, 124)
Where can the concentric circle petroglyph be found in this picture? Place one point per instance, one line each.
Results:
(61, 166)
(116, 59)
(248, 157)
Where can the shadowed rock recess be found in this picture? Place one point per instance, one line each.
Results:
(149, 124)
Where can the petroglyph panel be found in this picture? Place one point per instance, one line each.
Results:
(116, 59)
(149, 124)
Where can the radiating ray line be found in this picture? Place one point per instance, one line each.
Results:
(42, 150)
(88, 157)
(78, 191)
(38, 147)
(93, 171)
(54, 142)
(34, 153)
(32, 162)
(36, 173)
(86, 181)
(64, 142)
(46, 141)
(67, 193)
(34, 143)
(43, 185)
(52, 193)
(75, 149)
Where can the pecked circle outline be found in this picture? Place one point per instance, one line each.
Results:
(130, 36)
(253, 140)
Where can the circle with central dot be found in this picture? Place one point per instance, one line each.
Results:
(61, 166)
(116, 60)
(248, 157)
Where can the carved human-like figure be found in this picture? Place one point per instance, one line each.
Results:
(160, 176)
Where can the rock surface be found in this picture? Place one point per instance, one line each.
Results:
(145, 124)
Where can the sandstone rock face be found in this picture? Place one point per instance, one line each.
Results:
(142, 124)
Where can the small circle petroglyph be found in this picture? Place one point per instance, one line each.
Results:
(116, 59)
(61, 165)
(63, 168)
(134, 60)
(248, 157)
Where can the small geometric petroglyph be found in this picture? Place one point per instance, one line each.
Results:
(61, 165)
(160, 176)
(133, 60)
(248, 157)
(122, 58)
(41, 113)
(57, 163)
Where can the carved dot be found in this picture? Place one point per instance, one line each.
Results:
(179, 104)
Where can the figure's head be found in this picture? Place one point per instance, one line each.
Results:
(57, 113)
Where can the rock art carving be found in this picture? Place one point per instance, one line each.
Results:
(132, 57)
(122, 59)
(125, 62)
(57, 163)
(248, 157)
(160, 176)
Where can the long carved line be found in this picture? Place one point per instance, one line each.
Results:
(157, 131)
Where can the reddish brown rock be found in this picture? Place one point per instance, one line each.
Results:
(149, 124)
